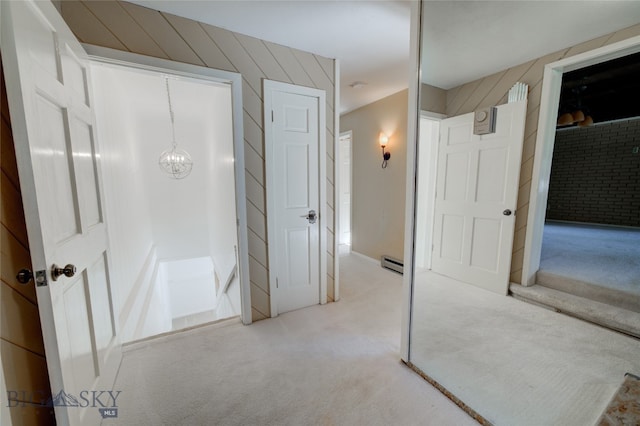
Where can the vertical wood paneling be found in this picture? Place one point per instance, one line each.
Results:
(493, 89)
(125, 26)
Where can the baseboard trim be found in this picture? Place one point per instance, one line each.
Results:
(365, 257)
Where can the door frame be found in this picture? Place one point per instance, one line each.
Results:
(430, 180)
(148, 63)
(338, 178)
(551, 85)
(267, 87)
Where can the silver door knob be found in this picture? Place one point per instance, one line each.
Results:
(24, 276)
(311, 216)
(67, 271)
(507, 212)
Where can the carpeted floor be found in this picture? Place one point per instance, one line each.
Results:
(512, 362)
(601, 255)
(336, 364)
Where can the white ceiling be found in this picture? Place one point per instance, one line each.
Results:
(465, 40)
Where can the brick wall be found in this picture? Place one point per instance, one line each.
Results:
(595, 176)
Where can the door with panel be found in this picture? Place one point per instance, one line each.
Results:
(476, 197)
(294, 176)
(58, 159)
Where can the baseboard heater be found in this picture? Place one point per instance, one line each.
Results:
(392, 264)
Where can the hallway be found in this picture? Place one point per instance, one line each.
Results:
(331, 365)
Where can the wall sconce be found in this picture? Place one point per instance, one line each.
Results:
(384, 140)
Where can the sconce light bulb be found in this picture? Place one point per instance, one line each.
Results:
(384, 139)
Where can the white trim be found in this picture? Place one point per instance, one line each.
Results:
(336, 181)
(432, 115)
(268, 87)
(428, 201)
(337, 185)
(409, 221)
(133, 60)
(543, 156)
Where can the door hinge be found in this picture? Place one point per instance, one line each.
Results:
(41, 278)
(276, 282)
(272, 116)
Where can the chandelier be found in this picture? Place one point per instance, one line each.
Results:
(177, 163)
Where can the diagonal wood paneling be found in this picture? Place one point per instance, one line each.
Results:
(492, 90)
(163, 34)
(137, 29)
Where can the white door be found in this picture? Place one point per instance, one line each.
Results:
(294, 118)
(476, 197)
(344, 195)
(51, 112)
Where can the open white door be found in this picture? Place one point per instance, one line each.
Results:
(476, 198)
(294, 135)
(52, 118)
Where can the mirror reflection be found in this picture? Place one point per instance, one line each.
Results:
(526, 290)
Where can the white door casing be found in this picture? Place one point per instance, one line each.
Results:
(545, 140)
(295, 173)
(476, 198)
(428, 135)
(58, 160)
(344, 186)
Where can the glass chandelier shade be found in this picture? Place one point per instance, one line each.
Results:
(177, 163)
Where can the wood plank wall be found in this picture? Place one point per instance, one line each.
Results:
(21, 346)
(128, 27)
(492, 90)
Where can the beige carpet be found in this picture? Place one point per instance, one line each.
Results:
(513, 362)
(336, 364)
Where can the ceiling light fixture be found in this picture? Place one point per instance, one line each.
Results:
(175, 162)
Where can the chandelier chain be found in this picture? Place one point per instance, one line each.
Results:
(173, 127)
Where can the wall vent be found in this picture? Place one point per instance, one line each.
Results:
(392, 264)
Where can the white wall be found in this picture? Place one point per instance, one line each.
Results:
(126, 202)
(191, 286)
(152, 217)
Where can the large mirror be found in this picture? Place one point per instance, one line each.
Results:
(525, 301)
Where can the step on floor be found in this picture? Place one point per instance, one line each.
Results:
(613, 317)
(616, 297)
